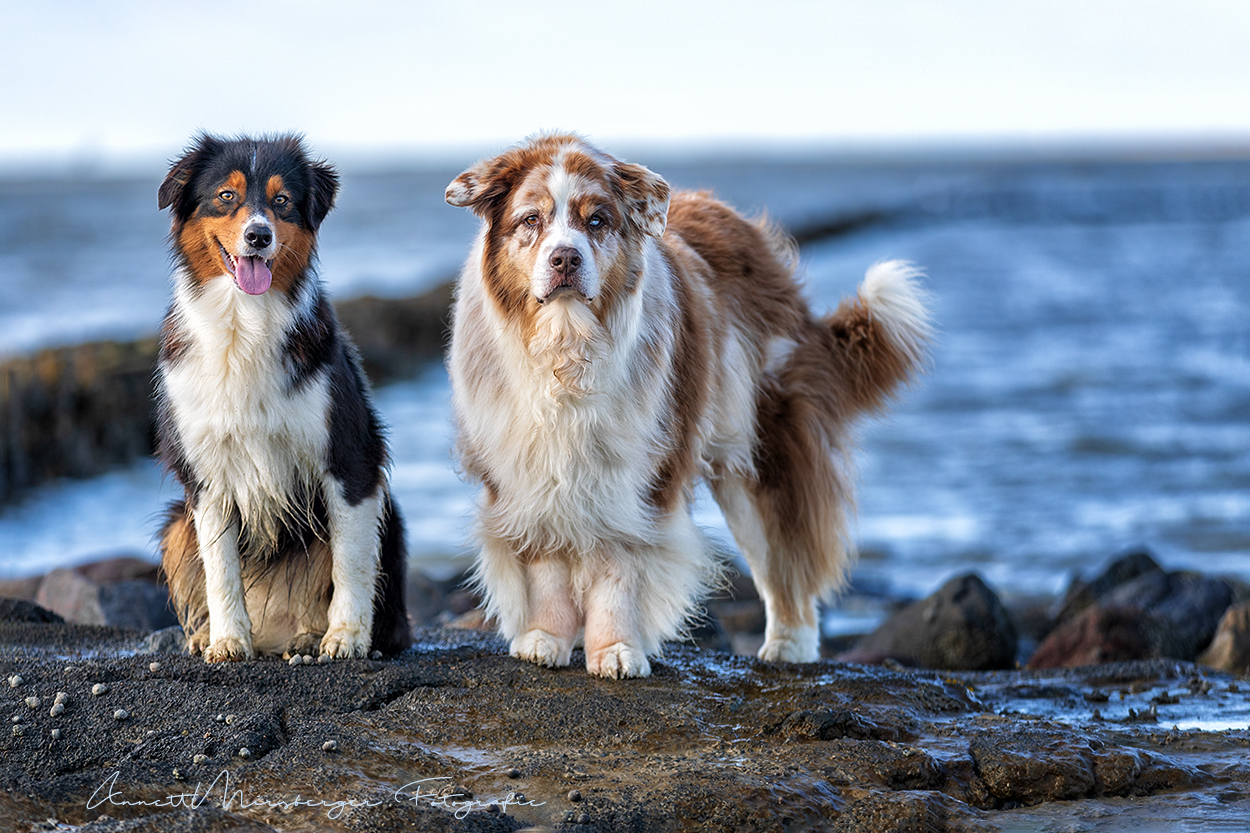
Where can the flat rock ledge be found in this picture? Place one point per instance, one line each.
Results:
(455, 735)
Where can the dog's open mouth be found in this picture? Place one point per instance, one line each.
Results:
(251, 274)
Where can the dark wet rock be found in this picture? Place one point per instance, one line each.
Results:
(724, 741)
(962, 626)
(1096, 635)
(1230, 648)
(22, 610)
(1029, 766)
(1080, 594)
(1156, 614)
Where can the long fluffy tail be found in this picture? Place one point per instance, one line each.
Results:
(879, 338)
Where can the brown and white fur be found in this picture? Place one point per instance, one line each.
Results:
(287, 540)
(610, 346)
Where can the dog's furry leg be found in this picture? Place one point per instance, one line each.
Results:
(785, 581)
(354, 540)
(229, 627)
(552, 619)
(613, 645)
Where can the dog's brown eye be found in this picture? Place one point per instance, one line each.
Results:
(281, 199)
(531, 220)
(226, 196)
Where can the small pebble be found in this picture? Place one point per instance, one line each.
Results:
(33, 702)
(493, 808)
(229, 720)
(325, 658)
(329, 746)
(154, 667)
(308, 660)
(575, 795)
(295, 660)
(245, 754)
(58, 709)
(56, 734)
(99, 688)
(178, 776)
(150, 733)
(61, 697)
(221, 718)
(514, 773)
(17, 718)
(199, 759)
(375, 655)
(19, 729)
(121, 714)
(583, 818)
(15, 681)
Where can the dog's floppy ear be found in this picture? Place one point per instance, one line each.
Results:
(323, 187)
(483, 185)
(646, 194)
(175, 191)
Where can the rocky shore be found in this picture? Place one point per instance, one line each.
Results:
(114, 729)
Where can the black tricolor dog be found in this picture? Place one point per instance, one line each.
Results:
(287, 540)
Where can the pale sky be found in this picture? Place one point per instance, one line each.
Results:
(102, 81)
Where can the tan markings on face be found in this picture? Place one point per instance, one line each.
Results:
(204, 234)
(273, 187)
(295, 246)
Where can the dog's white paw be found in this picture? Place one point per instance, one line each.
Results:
(345, 643)
(618, 661)
(791, 645)
(542, 648)
(229, 649)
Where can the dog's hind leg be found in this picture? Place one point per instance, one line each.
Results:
(229, 626)
(795, 548)
(355, 545)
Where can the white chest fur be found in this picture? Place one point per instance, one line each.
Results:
(249, 440)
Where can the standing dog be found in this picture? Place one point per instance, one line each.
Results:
(287, 540)
(609, 347)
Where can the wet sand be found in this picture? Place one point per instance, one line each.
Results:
(455, 735)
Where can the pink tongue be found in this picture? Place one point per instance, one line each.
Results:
(253, 275)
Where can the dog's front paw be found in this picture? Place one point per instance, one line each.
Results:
(542, 648)
(229, 649)
(618, 661)
(800, 644)
(345, 643)
(305, 644)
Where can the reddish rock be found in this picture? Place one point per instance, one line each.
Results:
(1100, 634)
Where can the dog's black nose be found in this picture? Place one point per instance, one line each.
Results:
(258, 236)
(566, 260)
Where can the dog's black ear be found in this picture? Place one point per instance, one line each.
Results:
(323, 187)
(646, 194)
(175, 191)
(484, 185)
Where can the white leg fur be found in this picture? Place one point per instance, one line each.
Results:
(230, 628)
(354, 540)
(552, 619)
(613, 646)
(782, 643)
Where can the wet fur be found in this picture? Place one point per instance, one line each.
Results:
(588, 402)
(287, 540)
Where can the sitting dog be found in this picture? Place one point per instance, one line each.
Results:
(287, 540)
(611, 345)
